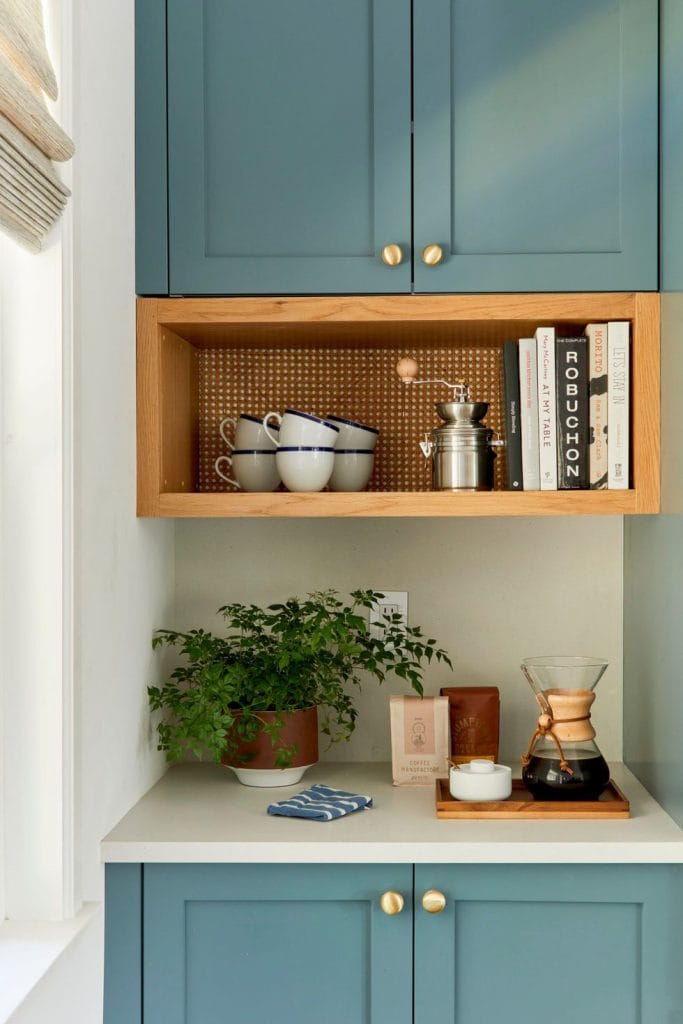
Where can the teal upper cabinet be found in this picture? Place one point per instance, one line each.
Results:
(288, 145)
(535, 148)
(274, 146)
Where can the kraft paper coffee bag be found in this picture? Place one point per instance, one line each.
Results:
(419, 740)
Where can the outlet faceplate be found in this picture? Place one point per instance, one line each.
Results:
(394, 602)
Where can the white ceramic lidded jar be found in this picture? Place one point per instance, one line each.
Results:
(480, 780)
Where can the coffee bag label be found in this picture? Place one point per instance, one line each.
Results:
(419, 739)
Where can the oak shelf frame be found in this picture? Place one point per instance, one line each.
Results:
(169, 329)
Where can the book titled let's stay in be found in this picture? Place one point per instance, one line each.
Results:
(618, 376)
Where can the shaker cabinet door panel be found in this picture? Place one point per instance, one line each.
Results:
(586, 943)
(289, 145)
(260, 944)
(536, 144)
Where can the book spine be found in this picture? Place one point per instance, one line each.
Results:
(618, 405)
(513, 436)
(597, 405)
(571, 365)
(528, 388)
(547, 407)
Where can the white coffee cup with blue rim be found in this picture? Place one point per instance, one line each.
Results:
(254, 469)
(303, 468)
(249, 433)
(301, 430)
(354, 436)
(352, 469)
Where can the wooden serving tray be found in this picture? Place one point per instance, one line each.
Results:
(611, 804)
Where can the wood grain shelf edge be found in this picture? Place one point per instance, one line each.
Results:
(398, 504)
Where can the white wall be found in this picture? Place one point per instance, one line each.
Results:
(124, 565)
(491, 591)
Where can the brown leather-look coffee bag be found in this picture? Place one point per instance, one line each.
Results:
(474, 713)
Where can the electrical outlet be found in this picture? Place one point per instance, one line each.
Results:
(394, 602)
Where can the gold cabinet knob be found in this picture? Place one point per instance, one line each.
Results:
(432, 255)
(392, 255)
(391, 902)
(433, 901)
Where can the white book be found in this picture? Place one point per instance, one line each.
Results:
(528, 408)
(597, 405)
(618, 405)
(547, 408)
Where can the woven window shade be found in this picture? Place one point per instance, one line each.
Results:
(32, 196)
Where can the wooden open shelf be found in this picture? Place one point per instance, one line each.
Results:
(176, 337)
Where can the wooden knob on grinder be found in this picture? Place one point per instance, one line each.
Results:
(406, 368)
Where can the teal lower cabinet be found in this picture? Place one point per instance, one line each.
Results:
(255, 944)
(311, 944)
(513, 944)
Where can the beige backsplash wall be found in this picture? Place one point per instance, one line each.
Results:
(491, 591)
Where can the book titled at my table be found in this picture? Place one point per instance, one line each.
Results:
(571, 367)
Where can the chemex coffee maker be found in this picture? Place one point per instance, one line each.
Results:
(562, 761)
(463, 449)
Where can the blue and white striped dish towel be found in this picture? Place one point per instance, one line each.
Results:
(320, 803)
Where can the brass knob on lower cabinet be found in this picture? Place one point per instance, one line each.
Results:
(433, 901)
(391, 902)
(432, 255)
(392, 255)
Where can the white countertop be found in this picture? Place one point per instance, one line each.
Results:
(200, 814)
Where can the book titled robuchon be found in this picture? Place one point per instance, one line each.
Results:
(571, 367)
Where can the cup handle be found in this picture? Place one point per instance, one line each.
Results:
(228, 421)
(272, 416)
(221, 474)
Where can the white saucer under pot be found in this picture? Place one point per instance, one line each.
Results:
(270, 778)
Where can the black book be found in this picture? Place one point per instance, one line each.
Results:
(571, 370)
(512, 421)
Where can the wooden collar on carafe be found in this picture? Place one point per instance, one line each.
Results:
(565, 717)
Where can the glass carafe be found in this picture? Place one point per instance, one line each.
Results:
(563, 761)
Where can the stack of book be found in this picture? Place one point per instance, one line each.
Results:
(567, 409)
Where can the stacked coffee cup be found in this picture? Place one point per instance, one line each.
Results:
(313, 452)
(252, 454)
(303, 451)
(305, 448)
(354, 455)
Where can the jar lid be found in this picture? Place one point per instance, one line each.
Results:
(480, 766)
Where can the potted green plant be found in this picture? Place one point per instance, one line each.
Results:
(250, 698)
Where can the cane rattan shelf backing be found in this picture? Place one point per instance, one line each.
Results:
(355, 383)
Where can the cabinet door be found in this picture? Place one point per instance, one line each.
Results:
(288, 145)
(587, 943)
(259, 944)
(536, 144)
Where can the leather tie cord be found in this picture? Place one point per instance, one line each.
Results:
(545, 728)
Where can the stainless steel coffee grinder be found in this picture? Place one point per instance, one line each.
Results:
(463, 449)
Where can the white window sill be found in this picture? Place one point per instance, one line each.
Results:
(28, 949)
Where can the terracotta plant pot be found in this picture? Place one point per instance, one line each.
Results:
(254, 762)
